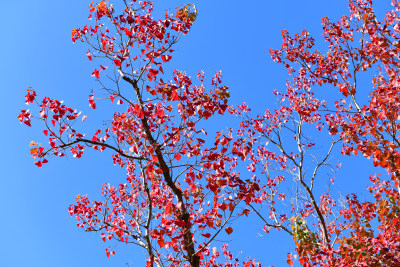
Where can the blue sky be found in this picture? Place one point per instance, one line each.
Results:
(232, 36)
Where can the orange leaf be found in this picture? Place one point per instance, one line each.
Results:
(34, 151)
(289, 259)
(32, 143)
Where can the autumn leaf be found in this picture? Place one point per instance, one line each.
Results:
(32, 143)
(153, 72)
(289, 259)
(168, 195)
(161, 243)
(34, 151)
(165, 58)
(228, 230)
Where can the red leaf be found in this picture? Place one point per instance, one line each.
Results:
(161, 243)
(153, 72)
(117, 62)
(92, 104)
(175, 95)
(168, 208)
(166, 58)
(155, 158)
(161, 113)
(38, 163)
(228, 230)
(177, 156)
(96, 73)
(223, 206)
(128, 33)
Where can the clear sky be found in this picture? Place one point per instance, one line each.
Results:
(36, 48)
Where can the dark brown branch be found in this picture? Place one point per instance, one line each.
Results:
(184, 214)
(119, 151)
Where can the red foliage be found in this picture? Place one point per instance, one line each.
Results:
(182, 191)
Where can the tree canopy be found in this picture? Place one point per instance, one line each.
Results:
(188, 182)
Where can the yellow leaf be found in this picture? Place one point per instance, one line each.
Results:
(192, 17)
(32, 143)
